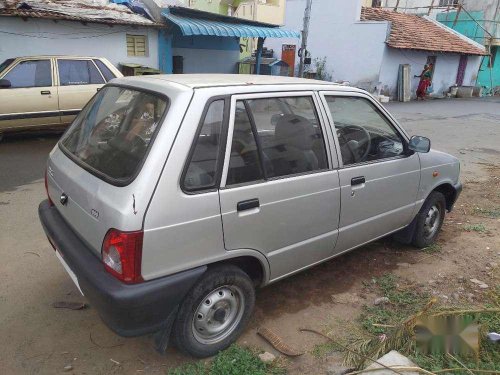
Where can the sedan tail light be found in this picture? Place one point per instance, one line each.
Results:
(122, 255)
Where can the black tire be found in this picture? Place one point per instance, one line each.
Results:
(424, 236)
(187, 329)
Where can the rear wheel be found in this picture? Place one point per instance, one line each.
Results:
(214, 312)
(429, 220)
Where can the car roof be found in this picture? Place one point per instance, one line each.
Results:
(56, 56)
(216, 80)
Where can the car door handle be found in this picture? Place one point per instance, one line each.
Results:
(248, 204)
(358, 180)
(45, 92)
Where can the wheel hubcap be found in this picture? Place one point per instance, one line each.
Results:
(431, 223)
(218, 314)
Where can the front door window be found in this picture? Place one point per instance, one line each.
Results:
(31, 73)
(364, 134)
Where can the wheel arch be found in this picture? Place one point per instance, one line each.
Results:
(252, 265)
(449, 192)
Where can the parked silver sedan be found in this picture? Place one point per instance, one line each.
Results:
(170, 198)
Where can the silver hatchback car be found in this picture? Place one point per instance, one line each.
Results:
(171, 198)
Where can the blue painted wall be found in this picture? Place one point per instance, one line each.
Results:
(202, 54)
(468, 26)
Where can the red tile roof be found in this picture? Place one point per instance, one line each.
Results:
(410, 31)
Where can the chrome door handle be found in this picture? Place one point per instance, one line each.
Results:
(248, 204)
(358, 180)
(45, 92)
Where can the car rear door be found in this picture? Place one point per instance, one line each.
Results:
(378, 189)
(31, 100)
(280, 191)
(78, 81)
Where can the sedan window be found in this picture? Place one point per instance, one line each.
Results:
(106, 72)
(32, 73)
(5, 64)
(364, 134)
(78, 72)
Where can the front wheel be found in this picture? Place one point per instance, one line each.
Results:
(214, 312)
(429, 220)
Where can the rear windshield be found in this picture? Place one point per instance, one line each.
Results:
(113, 132)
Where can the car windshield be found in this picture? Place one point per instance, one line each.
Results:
(5, 64)
(114, 131)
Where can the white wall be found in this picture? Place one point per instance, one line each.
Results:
(46, 37)
(445, 70)
(208, 60)
(353, 49)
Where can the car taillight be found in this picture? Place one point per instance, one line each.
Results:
(47, 189)
(122, 255)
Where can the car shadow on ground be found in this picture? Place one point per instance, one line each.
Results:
(23, 158)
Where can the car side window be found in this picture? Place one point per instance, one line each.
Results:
(31, 73)
(106, 72)
(289, 139)
(78, 72)
(244, 163)
(201, 172)
(363, 132)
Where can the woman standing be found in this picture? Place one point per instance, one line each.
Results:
(425, 81)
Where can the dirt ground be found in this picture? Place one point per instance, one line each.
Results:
(38, 339)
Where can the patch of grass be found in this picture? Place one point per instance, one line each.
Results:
(189, 369)
(489, 355)
(323, 349)
(480, 228)
(433, 249)
(403, 302)
(493, 213)
(235, 360)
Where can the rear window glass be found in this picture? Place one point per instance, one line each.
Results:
(5, 64)
(112, 134)
(106, 72)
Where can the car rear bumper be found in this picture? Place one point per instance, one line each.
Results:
(128, 309)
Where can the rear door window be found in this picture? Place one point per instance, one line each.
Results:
(275, 137)
(205, 158)
(5, 64)
(113, 133)
(32, 73)
(106, 72)
(78, 72)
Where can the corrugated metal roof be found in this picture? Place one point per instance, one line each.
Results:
(97, 11)
(203, 26)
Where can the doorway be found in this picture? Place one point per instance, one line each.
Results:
(462, 65)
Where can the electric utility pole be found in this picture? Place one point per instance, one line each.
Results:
(305, 32)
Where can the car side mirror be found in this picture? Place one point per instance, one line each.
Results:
(5, 84)
(419, 144)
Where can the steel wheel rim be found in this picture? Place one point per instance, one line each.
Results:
(431, 222)
(218, 314)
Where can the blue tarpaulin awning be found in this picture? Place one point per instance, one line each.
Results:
(220, 26)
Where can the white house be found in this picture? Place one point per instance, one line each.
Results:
(366, 47)
(83, 28)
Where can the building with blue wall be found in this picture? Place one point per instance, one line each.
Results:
(202, 42)
(475, 25)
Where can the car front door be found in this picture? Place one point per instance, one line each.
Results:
(31, 99)
(78, 80)
(379, 177)
(280, 191)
